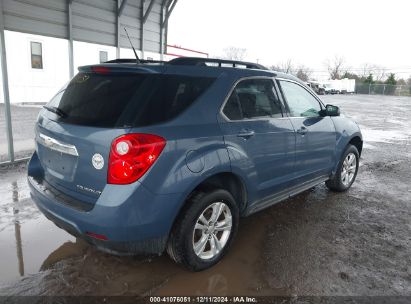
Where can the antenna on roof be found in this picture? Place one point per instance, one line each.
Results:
(134, 50)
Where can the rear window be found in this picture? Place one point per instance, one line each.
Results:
(127, 100)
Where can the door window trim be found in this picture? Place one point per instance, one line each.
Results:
(283, 108)
(284, 99)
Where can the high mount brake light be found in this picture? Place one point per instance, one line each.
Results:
(100, 70)
(131, 155)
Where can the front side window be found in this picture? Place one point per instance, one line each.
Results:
(36, 55)
(300, 102)
(253, 98)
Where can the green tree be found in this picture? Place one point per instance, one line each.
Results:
(350, 76)
(369, 79)
(391, 79)
(391, 83)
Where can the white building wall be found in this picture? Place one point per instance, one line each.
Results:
(28, 85)
(89, 53)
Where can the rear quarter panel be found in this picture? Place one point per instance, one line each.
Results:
(195, 146)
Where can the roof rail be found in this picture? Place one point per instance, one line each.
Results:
(133, 60)
(219, 62)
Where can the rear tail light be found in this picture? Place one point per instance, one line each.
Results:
(131, 155)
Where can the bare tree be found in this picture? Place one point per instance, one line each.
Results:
(379, 72)
(336, 67)
(274, 68)
(286, 66)
(366, 70)
(300, 71)
(304, 73)
(234, 53)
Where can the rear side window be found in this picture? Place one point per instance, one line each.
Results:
(127, 100)
(253, 98)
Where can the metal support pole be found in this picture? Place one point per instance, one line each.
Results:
(142, 29)
(162, 16)
(121, 8)
(165, 36)
(118, 30)
(170, 8)
(147, 12)
(70, 38)
(6, 93)
(161, 32)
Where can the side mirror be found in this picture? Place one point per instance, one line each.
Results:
(331, 110)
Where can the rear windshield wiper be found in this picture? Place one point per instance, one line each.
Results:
(56, 110)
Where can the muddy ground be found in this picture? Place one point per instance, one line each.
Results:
(318, 243)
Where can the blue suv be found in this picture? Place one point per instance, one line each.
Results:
(142, 158)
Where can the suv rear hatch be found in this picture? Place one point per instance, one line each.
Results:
(75, 131)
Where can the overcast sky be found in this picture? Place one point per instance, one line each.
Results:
(308, 32)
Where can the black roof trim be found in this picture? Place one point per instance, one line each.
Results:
(131, 60)
(196, 61)
(204, 61)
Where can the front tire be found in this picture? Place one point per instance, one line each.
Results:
(205, 230)
(346, 172)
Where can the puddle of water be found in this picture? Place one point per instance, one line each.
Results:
(238, 273)
(26, 236)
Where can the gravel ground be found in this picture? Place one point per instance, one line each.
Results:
(318, 243)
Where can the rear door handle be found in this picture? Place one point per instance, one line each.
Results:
(303, 130)
(246, 133)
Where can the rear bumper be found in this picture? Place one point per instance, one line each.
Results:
(133, 219)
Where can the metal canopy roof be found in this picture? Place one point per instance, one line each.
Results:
(94, 21)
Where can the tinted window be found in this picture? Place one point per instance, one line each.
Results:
(300, 101)
(253, 98)
(121, 100)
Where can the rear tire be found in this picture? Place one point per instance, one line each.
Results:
(346, 171)
(205, 230)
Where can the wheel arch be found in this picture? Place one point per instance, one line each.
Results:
(227, 180)
(357, 142)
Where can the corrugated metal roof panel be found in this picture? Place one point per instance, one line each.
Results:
(92, 20)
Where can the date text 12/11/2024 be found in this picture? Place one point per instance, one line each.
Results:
(203, 299)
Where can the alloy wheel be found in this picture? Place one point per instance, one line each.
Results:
(348, 169)
(212, 230)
